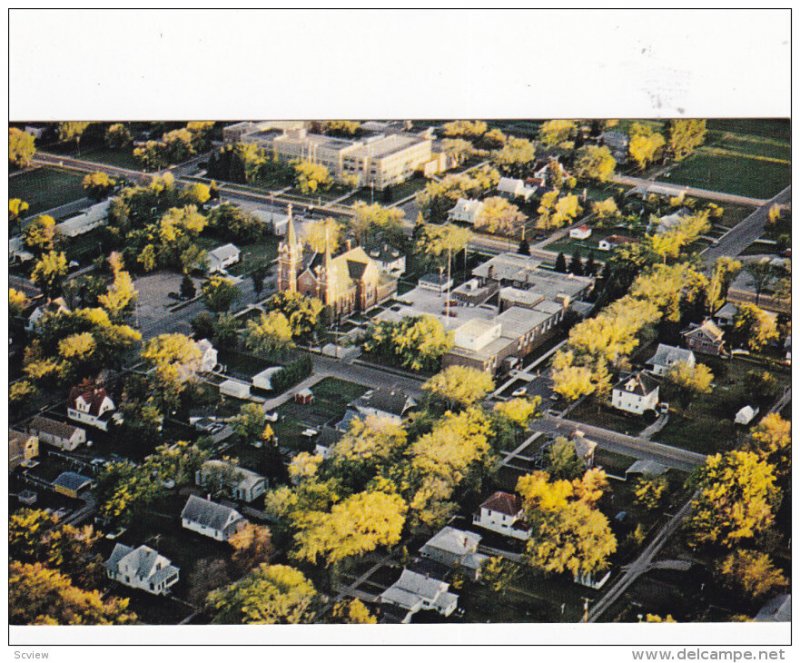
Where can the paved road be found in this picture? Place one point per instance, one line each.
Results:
(744, 233)
(366, 375)
(679, 459)
(677, 189)
(641, 564)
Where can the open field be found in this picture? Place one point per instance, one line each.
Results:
(46, 188)
(741, 175)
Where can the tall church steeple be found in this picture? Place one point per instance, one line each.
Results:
(289, 255)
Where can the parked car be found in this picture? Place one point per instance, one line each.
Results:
(519, 391)
(272, 416)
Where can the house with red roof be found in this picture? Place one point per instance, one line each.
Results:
(90, 405)
(502, 513)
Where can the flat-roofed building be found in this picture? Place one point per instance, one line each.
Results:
(380, 161)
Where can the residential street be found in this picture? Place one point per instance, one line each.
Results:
(679, 459)
(745, 232)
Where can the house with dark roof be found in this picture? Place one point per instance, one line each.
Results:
(71, 483)
(666, 356)
(22, 448)
(210, 519)
(90, 405)
(389, 403)
(141, 568)
(59, 434)
(706, 338)
(635, 393)
(389, 259)
(502, 513)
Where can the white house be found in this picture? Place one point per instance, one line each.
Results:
(141, 568)
(502, 513)
(57, 433)
(243, 484)
(389, 259)
(208, 360)
(211, 519)
(222, 257)
(457, 549)
(613, 241)
(277, 222)
(466, 211)
(636, 394)
(666, 357)
(581, 232)
(90, 405)
(388, 403)
(514, 188)
(414, 592)
(235, 389)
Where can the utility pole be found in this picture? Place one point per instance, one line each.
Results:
(586, 602)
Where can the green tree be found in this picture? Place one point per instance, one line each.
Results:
(304, 313)
(498, 574)
(187, 289)
(249, 423)
(252, 546)
(457, 149)
(563, 461)
(118, 136)
(465, 128)
(219, 293)
(322, 235)
(725, 268)
(68, 131)
(352, 611)
(271, 594)
(771, 439)
(443, 241)
(21, 147)
(175, 359)
(372, 222)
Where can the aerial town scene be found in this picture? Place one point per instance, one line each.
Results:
(399, 371)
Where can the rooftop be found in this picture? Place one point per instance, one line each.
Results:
(208, 513)
(503, 502)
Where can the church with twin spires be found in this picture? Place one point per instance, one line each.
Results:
(348, 283)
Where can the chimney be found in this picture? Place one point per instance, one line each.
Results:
(349, 244)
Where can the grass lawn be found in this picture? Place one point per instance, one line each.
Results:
(255, 255)
(398, 192)
(612, 462)
(775, 129)
(85, 248)
(241, 365)
(122, 158)
(46, 188)
(707, 425)
(331, 397)
(740, 175)
(606, 417)
(568, 245)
